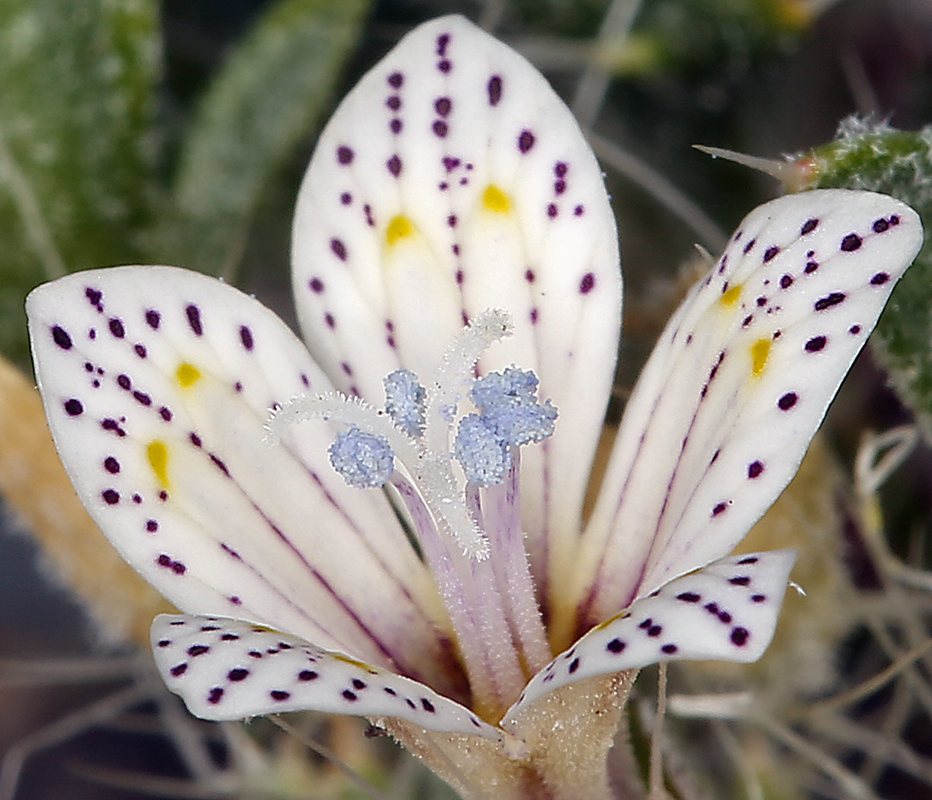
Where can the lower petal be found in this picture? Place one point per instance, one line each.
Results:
(226, 669)
(726, 611)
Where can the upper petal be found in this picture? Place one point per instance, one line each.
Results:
(452, 179)
(738, 384)
(157, 383)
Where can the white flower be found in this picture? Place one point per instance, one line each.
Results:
(453, 187)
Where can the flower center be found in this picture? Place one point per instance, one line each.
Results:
(458, 478)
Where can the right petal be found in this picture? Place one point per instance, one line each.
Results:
(157, 383)
(226, 669)
(737, 386)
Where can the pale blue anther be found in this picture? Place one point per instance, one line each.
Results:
(363, 459)
(509, 416)
(405, 401)
(483, 456)
(508, 404)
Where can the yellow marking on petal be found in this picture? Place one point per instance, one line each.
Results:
(187, 375)
(157, 453)
(730, 297)
(361, 664)
(495, 200)
(610, 620)
(760, 351)
(401, 227)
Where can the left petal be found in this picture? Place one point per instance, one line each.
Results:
(227, 669)
(737, 386)
(157, 383)
(725, 612)
(451, 180)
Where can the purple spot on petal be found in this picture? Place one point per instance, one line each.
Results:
(815, 344)
(828, 301)
(338, 249)
(94, 297)
(808, 227)
(61, 337)
(245, 336)
(740, 636)
(850, 243)
(494, 89)
(194, 319)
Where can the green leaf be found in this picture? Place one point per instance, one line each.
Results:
(898, 163)
(265, 100)
(76, 153)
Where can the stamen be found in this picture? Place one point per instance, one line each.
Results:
(509, 417)
(508, 402)
(445, 500)
(501, 513)
(456, 372)
(338, 408)
(405, 401)
(491, 601)
(481, 453)
(363, 459)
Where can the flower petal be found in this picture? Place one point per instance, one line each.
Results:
(725, 612)
(738, 384)
(451, 180)
(227, 669)
(157, 383)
